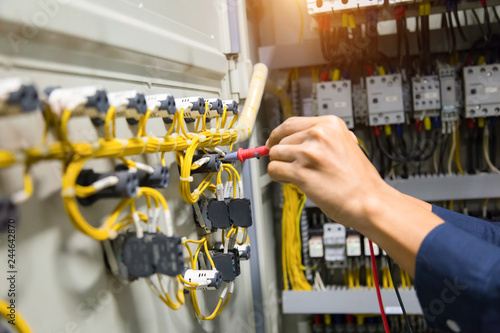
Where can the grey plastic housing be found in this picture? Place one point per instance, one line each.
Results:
(231, 106)
(8, 215)
(137, 102)
(240, 212)
(228, 264)
(137, 257)
(26, 97)
(385, 99)
(160, 178)
(167, 254)
(215, 105)
(216, 215)
(98, 101)
(125, 188)
(213, 165)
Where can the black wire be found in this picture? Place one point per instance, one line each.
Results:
(444, 143)
(452, 32)
(496, 14)
(407, 320)
(385, 152)
(459, 26)
(487, 20)
(479, 24)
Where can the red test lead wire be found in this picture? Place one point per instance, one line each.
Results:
(244, 154)
(377, 287)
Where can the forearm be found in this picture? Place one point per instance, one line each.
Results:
(398, 223)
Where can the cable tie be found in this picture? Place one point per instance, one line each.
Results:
(196, 192)
(160, 142)
(112, 234)
(199, 316)
(189, 142)
(19, 197)
(68, 192)
(96, 145)
(186, 179)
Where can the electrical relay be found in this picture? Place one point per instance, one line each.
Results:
(482, 91)
(449, 101)
(385, 100)
(334, 98)
(426, 96)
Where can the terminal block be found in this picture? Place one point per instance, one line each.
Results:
(216, 214)
(167, 254)
(215, 108)
(385, 100)
(196, 105)
(125, 188)
(162, 106)
(206, 279)
(426, 96)
(240, 212)
(209, 163)
(353, 243)
(8, 214)
(244, 251)
(158, 177)
(449, 100)
(334, 240)
(482, 91)
(129, 104)
(83, 102)
(142, 257)
(228, 264)
(334, 98)
(16, 96)
(231, 107)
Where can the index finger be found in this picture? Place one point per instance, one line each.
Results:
(290, 126)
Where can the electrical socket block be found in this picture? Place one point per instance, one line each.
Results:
(334, 98)
(449, 101)
(334, 240)
(162, 106)
(196, 105)
(426, 96)
(328, 6)
(16, 96)
(129, 104)
(482, 91)
(385, 100)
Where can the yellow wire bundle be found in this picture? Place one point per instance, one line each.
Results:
(293, 270)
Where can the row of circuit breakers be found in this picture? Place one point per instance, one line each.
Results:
(336, 244)
(432, 96)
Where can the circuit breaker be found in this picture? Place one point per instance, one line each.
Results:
(385, 99)
(426, 96)
(334, 98)
(449, 100)
(482, 91)
(334, 240)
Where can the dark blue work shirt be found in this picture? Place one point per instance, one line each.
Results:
(457, 275)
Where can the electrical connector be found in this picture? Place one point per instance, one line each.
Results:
(159, 177)
(228, 264)
(194, 107)
(162, 106)
(206, 279)
(231, 107)
(126, 187)
(167, 255)
(240, 212)
(208, 163)
(16, 96)
(129, 104)
(8, 214)
(216, 108)
(142, 257)
(216, 214)
(83, 102)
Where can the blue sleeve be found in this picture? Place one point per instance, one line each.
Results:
(457, 279)
(486, 231)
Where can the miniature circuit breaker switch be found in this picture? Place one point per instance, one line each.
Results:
(334, 240)
(385, 100)
(482, 91)
(334, 98)
(426, 96)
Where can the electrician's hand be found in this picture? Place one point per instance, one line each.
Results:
(322, 158)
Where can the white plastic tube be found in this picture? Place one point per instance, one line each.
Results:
(248, 115)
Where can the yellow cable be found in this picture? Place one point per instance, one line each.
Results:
(301, 21)
(19, 322)
(457, 150)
